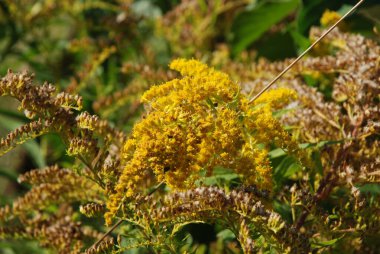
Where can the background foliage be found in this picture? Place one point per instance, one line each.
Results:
(110, 52)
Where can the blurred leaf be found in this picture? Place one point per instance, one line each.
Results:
(54, 147)
(316, 157)
(373, 188)
(220, 175)
(284, 210)
(372, 13)
(312, 11)
(146, 9)
(30, 146)
(317, 168)
(21, 247)
(285, 169)
(201, 249)
(286, 47)
(321, 144)
(326, 243)
(34, 151)
(278, 152)
(284, 111)
(8, 174)
(13, 114)
(301, 41)
(226, 235)
(250, 25)
(310, 80)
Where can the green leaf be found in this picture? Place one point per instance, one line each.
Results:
(284, 210)
(301, 41)
(316, 157)
(250, 25)
(226, 235)
(278, 152)
(321, 144)
(35, 152)
(266, 46)
(326, 243)
(8, 174)
(287, 167)
(373, 188)
(312, 11)
(219, 176)
(13, 114)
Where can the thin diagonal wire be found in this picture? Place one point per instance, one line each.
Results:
(305, 52)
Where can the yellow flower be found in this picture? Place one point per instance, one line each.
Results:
(329, 18)
(277, 98)
(196, 123)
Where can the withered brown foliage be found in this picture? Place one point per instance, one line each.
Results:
(340, 116)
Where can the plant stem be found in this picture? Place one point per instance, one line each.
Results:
(118, 223)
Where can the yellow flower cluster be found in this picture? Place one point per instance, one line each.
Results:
(329, 18)
(196, 123)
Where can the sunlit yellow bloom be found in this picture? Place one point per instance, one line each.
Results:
(196, 123)
(329, 18)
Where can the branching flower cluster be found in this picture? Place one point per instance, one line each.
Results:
(199, 122)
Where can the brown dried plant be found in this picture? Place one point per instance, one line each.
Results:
(343, 127)
(93, 142)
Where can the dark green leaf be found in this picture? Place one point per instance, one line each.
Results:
(316, 157)
(284, 210)
(321, 144)
(373, 188)
(301, 41)
(8, 174)
(13, 114)
(265, 46)
(327, 243)
(226, 235)
(312, 11)
(287, 167)
(250, 25)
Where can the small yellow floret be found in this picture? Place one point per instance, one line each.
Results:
(329, 18)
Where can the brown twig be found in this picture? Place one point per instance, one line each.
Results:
(305, 52)
(107, 233)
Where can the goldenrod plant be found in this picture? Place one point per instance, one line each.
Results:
(169, 129)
